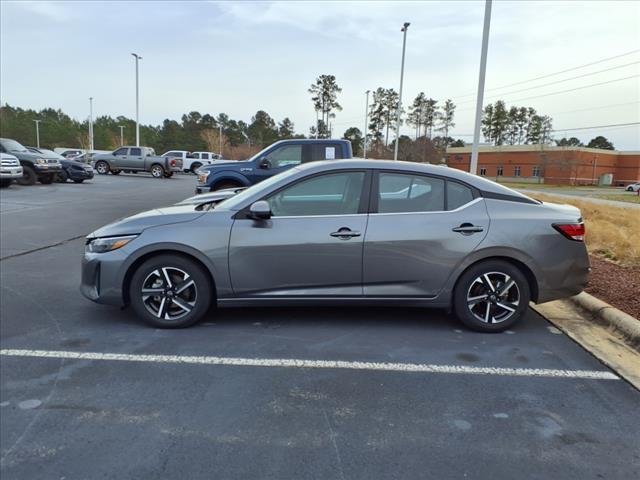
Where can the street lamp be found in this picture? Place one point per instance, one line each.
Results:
(366, 124)
(473, 165)
(137, 57)
(90, 124)
(37, 133)
(121, 127)
(404, 45)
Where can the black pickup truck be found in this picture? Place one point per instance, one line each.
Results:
(35, 166)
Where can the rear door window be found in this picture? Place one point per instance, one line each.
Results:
(405, 193)
(136, 152)
(457, 195)
(324, 151)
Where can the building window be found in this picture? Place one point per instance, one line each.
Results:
(483, 171)
(536, 171)
(516, 171)
(500, 171)
(458, 157)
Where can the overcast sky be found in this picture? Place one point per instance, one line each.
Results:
(238, 57)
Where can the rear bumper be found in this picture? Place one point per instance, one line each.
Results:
(7, 173)
(569, 281)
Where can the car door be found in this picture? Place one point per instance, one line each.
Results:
(277, 160)
(311, 245)
(421, 227)
(119, 158)
(134, 160)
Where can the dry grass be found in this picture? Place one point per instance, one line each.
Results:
(612, 232)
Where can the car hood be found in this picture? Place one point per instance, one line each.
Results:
(27, 155)
(151, 218)
(220, 164)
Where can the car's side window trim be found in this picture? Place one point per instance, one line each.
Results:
(243, 213)
(375, 191)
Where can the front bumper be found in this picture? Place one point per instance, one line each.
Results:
(44, 168)
(102, 277)
(84, 174)
(202, 189)
(10, 172)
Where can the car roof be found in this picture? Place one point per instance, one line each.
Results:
(476, 181)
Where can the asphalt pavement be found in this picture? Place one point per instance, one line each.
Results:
(87, 391)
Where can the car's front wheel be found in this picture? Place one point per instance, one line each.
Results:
(491, 296)
(29, 177)
(102, 168)
(170, 291)
(46, 179)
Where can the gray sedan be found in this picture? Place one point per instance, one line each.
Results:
(352, 232)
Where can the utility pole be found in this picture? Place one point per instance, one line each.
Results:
(220, 127)
(37, 133)
(121, 127)
(473, 167)
(138, 58)
(366, 124)
(90, 124)
(404, 45)
(317, 124)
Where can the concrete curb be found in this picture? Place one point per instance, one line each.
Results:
(602, 312)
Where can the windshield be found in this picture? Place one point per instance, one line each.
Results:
(13, 146)
(233, 202)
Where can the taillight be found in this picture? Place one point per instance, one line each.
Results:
(573, 231)
(173, 163)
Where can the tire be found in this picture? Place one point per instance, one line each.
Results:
(157, 171)
(79, 180)
(4, 183)
(47, 179)
(226, 184)
(102, 167)
(62, 177)
(195, 166)
(115, 172)
(629, 189)
(153, 309)
(472, 285)
(29, 177)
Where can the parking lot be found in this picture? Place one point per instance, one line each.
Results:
(87, 391)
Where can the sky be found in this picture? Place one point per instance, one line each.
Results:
(239, 57)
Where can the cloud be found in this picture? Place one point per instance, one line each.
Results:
(54, 11)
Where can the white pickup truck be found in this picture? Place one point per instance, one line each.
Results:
(192, 161)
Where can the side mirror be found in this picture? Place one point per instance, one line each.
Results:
(260, 210)
(264, 163)
(113, 153)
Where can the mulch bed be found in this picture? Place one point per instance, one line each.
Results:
(616, 285)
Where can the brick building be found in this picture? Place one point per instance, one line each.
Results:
(547, 164)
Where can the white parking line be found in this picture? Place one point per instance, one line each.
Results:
(300, 363)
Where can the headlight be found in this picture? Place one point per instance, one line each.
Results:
(202, 176)
(40, 161)
(108, 244)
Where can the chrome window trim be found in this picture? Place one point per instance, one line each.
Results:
(461, 207)
(348, 215)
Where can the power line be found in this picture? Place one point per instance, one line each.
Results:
(624, 125)
(554, 73)
(626, 104)
(558, 81)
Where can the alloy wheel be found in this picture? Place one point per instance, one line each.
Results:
(493, 297)
(169, 293)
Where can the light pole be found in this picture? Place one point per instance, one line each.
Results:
(121, 127)
(317, 124)
(473, 165)
(404, 45)
(366, 121)
(220, 127)
(91, 124)
(37, 133)
(137, 57)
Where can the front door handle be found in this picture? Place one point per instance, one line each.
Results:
(345, 233)
(467, 229)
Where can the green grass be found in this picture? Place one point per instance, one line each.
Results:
(632, 198)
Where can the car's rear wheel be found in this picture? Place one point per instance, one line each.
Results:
(46, 179)
(102, 167)
(170, 291)
(29, 177)
(157, 171)
(629, 189)
(195, 166)
(491, 296)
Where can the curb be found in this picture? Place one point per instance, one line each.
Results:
(626, 325)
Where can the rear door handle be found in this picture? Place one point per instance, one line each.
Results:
(345, 233)
(467, 229)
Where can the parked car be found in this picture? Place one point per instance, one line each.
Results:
(69, 152)
(35, 166)
(136, 159)
(191, 162)
(274, 159)
(357, 232)
(634, 187)
(10, 169)
(75, 170)
(211, 198)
